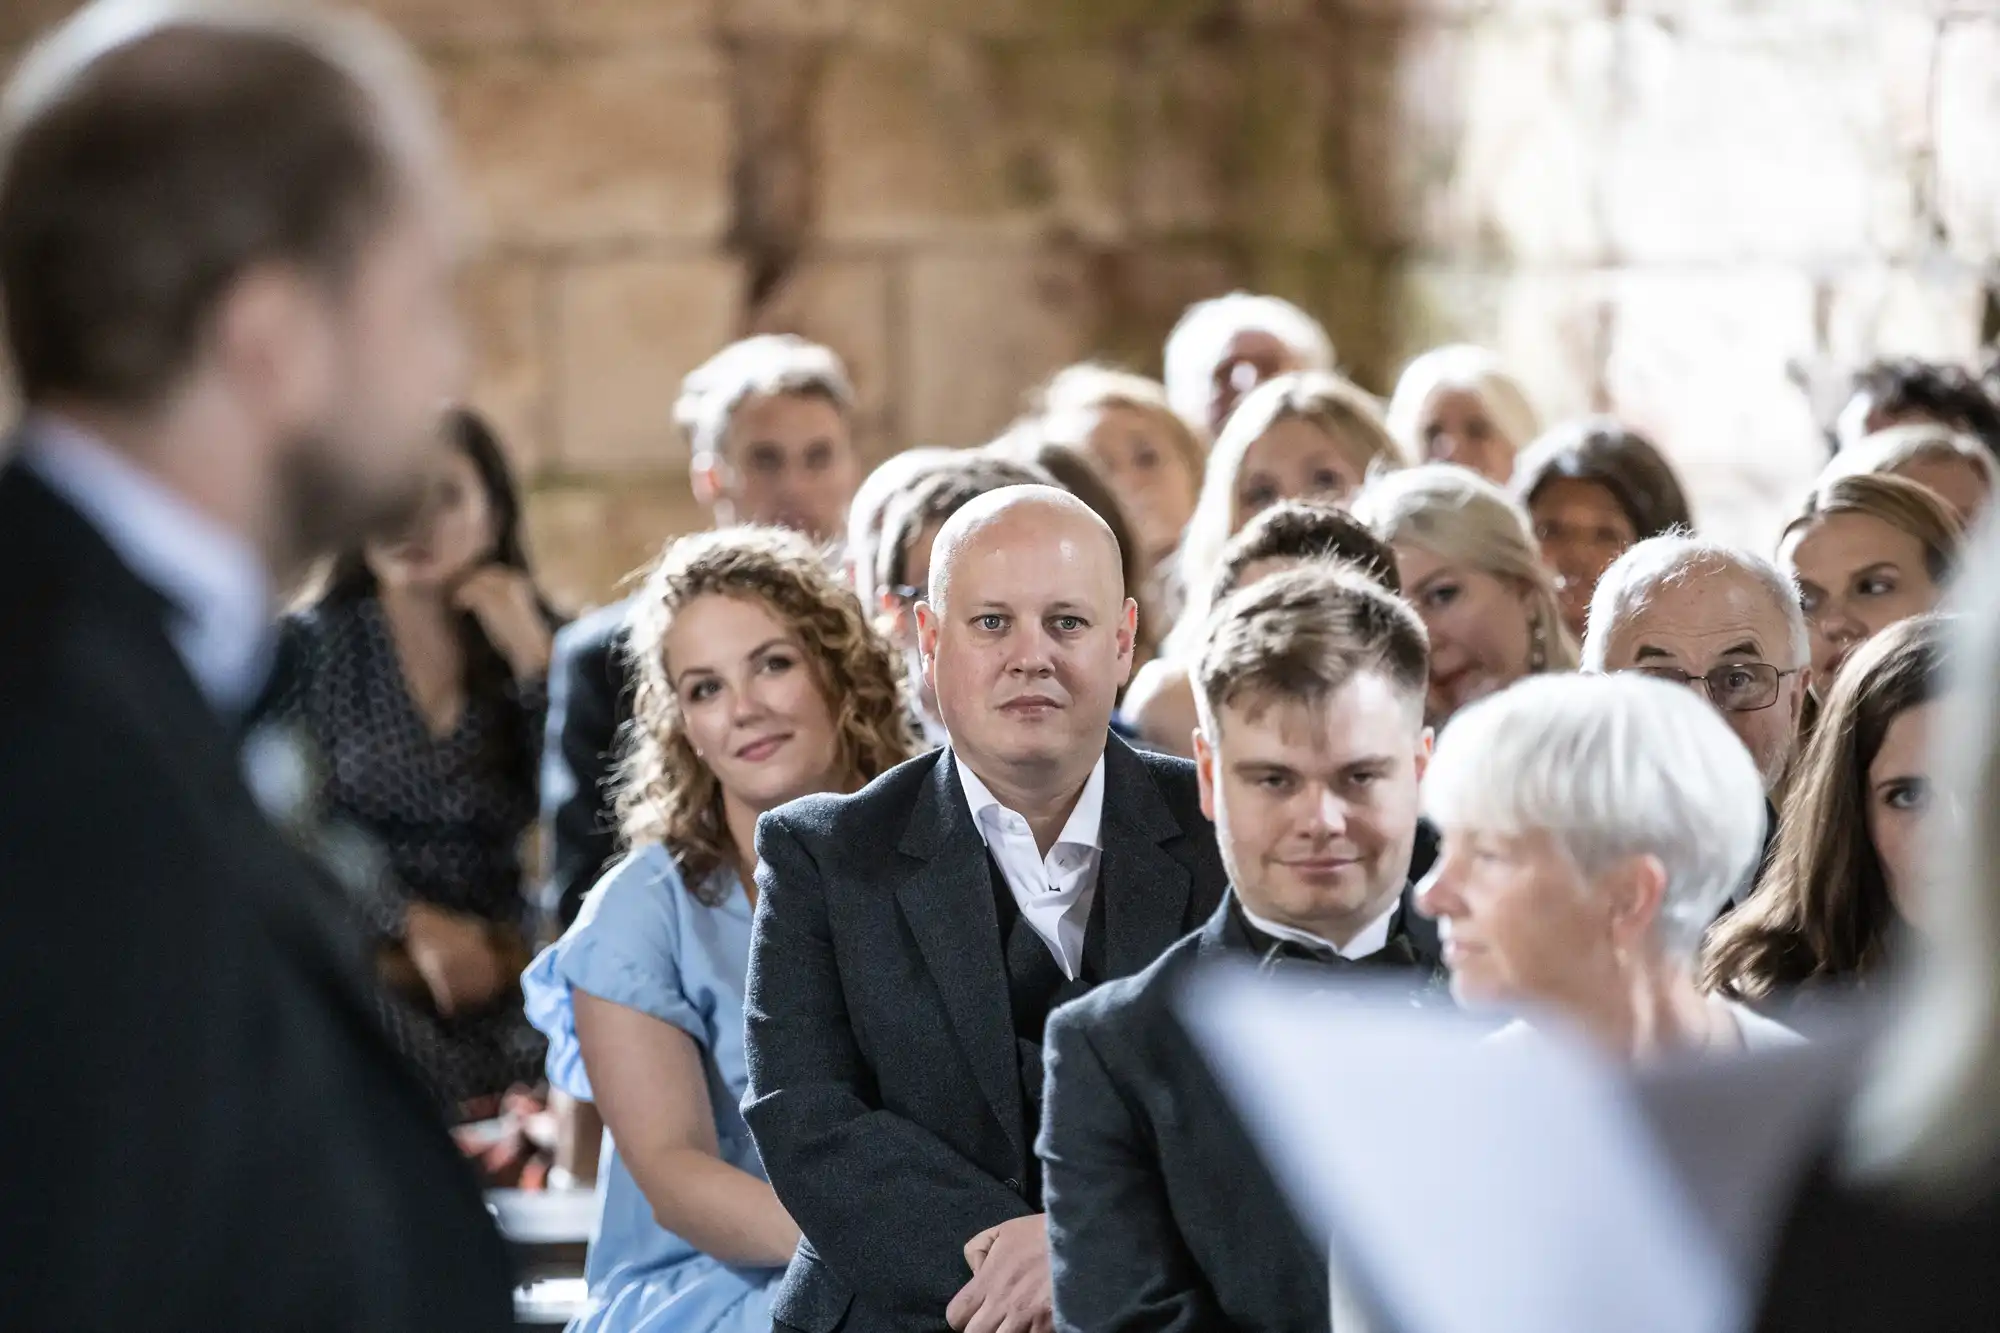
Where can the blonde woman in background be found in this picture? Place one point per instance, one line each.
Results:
(1470, 565)
(1304, 436)
(1223, 348)
(1456, 404)
(1953, 464)
(1152, 459)
(1866, 552)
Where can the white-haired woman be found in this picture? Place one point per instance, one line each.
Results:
(1457, 404)
(1593, 826)
(1471, 566)
(1223, 348)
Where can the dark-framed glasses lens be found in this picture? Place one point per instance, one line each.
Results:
(1743, 687)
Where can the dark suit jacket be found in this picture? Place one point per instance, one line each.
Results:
(885, 1085)
(1856, 1259)
(1162, 1216)
(208, 1126)
(590, 705)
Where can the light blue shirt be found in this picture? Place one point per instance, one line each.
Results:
(644, 941)
(214, 578)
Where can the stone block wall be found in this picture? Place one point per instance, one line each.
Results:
(1682, 210)
(1699, 213)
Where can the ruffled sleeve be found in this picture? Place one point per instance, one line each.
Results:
(624, 948)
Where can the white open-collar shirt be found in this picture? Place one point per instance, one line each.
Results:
(1055, 891)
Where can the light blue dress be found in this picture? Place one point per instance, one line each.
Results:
(643, 941)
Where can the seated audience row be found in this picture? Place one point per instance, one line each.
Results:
(1499, 582)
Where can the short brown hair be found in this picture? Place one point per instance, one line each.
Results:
(1305, 530)
(1302, 635)
(936, 498)
(137, 183)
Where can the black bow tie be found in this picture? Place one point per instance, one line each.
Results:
(1278, 953)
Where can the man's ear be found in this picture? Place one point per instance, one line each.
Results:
(1426, 746)
(928, 626)
(708, 478)
(1204, 772)
(1128, 638)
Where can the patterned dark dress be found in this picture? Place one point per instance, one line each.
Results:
(445, 813)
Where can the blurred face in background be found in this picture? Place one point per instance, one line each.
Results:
(1900, 804)
(1136, 451)
(1857, 576)
(1481, 638)
(1315, 806)
(749, 701)
(1957, 482)
(791, 464)
(1581, 528)
(1251, 357)
(1296, 460)
(451, 536)
(1456, 428)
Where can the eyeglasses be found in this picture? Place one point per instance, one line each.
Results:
(1733, 687)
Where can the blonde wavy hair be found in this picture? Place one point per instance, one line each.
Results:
(1464, 519)
(1337, 407)
(666, 794)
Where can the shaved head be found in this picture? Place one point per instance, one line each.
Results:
(1027, 658)
(1030, 514)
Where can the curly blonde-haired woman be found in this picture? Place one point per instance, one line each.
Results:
(759, 681)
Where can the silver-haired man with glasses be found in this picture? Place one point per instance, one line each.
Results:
(1720, 620)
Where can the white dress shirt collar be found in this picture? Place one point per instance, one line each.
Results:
(1370, 939)
(1083, 828)
(214, 578)
(1054, 892)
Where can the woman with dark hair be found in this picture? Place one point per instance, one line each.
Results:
(1846, 870)
(759, 682)
(1594, 489)
(417, 675)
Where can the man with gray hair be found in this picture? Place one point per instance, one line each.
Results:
(1724, 621)
(1579, 888)
(912, 938)
(227, 242)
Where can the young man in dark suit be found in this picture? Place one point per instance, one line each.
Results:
(1310, 692)
(912, 938)
(226, 256)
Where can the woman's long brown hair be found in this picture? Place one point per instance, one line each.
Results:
(1823, 909)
